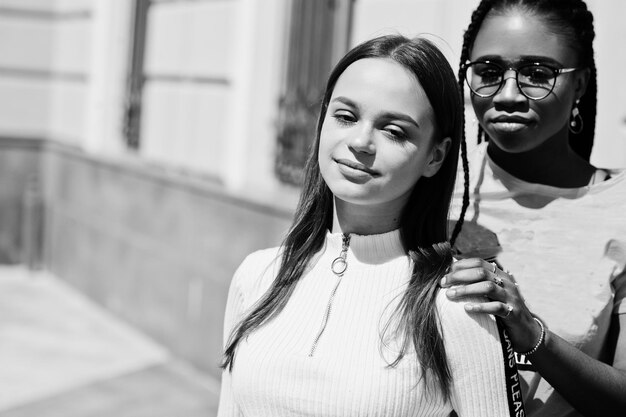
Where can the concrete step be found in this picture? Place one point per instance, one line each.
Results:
(168, 390)
(63, 355)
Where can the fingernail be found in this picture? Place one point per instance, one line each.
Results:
(451, 293)
(469, 307)
(443, 281)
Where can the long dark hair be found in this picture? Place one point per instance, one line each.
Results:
(572, 20)
(423, 224)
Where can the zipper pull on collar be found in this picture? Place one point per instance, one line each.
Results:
(340, 264)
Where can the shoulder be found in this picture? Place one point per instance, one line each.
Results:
(610, 194)
(257, 271)
(471, 341)
(452, 308)
(457, 323)
(262, 257)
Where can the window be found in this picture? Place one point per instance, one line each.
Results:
(132, 115)
(319, 36)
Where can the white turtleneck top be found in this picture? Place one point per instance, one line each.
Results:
(323, 355)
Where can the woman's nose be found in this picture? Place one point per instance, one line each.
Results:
(363, 141)
(509, 92)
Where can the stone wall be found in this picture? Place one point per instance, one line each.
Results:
(156, 247)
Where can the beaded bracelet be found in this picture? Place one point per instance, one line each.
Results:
(540, 341)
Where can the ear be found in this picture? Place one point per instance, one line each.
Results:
(582, 80)
(437, 156)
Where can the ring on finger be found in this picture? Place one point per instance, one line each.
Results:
(494, 267)
(512, 277)
(509, 308)
(498, 281)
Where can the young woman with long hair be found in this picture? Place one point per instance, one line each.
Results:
(345, 317)
(541, 210)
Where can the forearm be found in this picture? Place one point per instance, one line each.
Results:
(592, 387)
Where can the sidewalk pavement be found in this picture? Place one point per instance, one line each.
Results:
(62, 355)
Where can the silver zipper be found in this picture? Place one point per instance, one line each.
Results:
(338, 266)
(326, 316)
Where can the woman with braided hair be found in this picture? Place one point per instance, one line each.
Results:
(540, 209)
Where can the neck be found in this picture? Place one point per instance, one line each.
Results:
(551, 163)
(366, 219)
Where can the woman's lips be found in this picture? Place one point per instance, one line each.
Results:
(510, 119)
(352, 168)
(510, 124)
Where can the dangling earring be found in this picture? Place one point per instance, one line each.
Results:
(576, 120)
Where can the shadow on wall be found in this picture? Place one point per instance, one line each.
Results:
(21, 202)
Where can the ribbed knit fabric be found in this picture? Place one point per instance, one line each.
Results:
(278, 372)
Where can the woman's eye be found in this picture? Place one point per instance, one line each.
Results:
(541, 74)
(489, 73)
(537, 73)
(344, 118)
(395, 132)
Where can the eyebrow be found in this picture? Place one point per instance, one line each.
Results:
(386, 115)
(524, 59)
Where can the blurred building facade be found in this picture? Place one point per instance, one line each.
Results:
(147, 146)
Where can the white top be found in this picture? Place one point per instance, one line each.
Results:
(277, 372)
(567, 250)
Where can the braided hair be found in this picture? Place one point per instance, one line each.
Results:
(574, 22)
